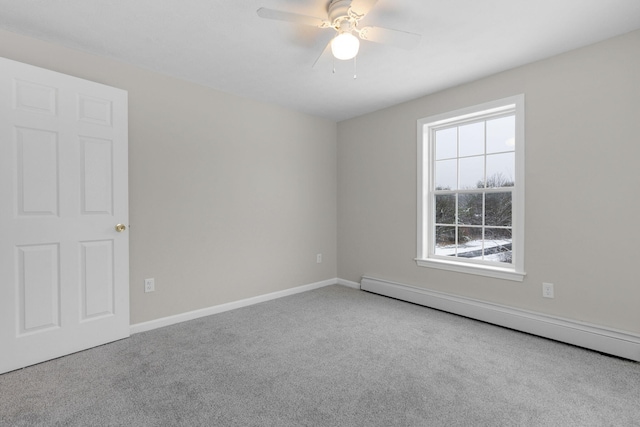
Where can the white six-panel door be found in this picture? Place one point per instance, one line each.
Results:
(64, 269)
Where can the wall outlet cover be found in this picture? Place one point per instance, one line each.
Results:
(547, 290)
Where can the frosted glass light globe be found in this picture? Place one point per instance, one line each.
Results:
(345, 46)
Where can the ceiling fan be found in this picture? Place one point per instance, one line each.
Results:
(344, 17)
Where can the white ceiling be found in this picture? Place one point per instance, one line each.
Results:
(223, 44)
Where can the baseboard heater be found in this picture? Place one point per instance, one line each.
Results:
(602, 339)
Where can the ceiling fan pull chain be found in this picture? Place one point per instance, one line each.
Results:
(355, 68)
(334, 64)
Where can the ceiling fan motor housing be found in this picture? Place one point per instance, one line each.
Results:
(339, 10)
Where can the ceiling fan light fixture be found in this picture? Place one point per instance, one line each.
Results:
(345, 46)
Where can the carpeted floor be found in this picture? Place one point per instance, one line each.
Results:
(329, 357)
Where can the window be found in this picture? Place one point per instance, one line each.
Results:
(471, 190)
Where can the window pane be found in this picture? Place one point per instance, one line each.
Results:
(498, 209)
(498, 245)
(446, 143)
(500, 169)
(445, 240)
(446, 175)
(471, 172)
(471, 139)
(501, 134)
(469, 212)
(470, 242)
(445, 209)
(470, 208)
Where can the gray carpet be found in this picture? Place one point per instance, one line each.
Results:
(330, 357)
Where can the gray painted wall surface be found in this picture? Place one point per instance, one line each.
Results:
(229, 198)
(582, 185)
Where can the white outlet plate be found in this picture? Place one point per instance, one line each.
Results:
(319, 258)
(149, 285)
(547, 290)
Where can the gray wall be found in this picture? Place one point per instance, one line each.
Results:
(229, 198)
(582, 185)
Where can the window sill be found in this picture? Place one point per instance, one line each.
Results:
(478, 270)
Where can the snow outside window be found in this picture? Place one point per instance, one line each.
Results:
(471, 190)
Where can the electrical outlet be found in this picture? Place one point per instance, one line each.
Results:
(149, 285)
(547, 290)
(319, 258)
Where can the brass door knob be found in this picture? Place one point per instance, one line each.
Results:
(120, 228)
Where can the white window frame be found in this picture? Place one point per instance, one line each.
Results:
(426, 129)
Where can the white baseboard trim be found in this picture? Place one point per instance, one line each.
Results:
(190, 315)
(594, 337)
(348, 283)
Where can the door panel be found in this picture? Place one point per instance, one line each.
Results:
(37, 166)
(64, 270)
(97, 178)
(97, 279)
(39, 287)
(95, 110)
(35, 98)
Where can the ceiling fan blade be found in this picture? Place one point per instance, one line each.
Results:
(326, 49)
(362, 7)
(401, 39)
(296, 18)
